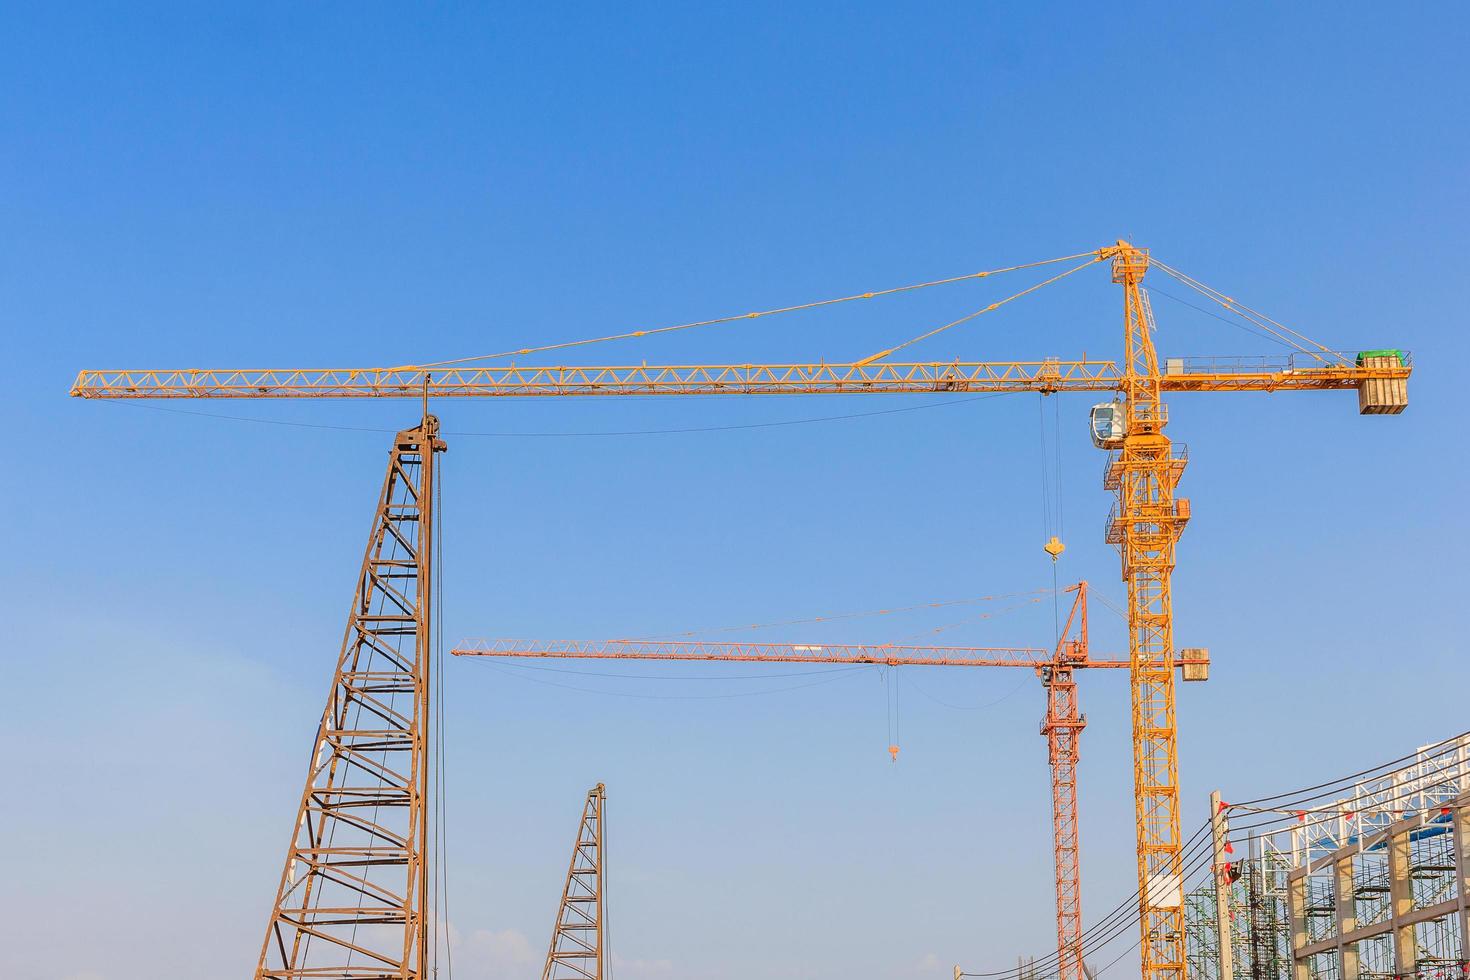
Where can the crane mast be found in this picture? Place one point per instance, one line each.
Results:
(578, 949)
(1062, 725)
(352, 902)
(1148, 521)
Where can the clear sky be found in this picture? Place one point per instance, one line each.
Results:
(346, 184)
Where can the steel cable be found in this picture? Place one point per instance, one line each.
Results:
(632, 334)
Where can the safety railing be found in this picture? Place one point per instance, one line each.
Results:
(1266, 363)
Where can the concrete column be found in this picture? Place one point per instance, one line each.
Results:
(1220, 830)
(1296, 908)
(1460, 820)
(1345, 906)
(1401, 894)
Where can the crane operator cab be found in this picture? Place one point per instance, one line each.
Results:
(1109, 425)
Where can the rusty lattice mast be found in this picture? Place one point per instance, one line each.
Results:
(1062, 725)
(577, 950)
(353, 898)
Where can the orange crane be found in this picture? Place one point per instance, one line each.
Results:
(1144, 470)
(1061, 724)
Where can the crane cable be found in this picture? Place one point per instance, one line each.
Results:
(835, 674)
(682, 430)
(832, 617)
(1052, 527)
(1243, 325)
(442, 918)
(971, 620)
(1113, 607)
(1095, 256)
(890, 682)
(1280, 331)
(606, 906)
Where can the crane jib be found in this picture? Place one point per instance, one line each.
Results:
(1296, 373)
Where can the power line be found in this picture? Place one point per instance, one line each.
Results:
(1443, 746)
(688, 430)
(1198, 851)
(838, 673)
(654, 677)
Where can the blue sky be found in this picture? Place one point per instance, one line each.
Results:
(347, 185)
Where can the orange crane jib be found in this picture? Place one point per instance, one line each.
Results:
(890, 655)
(1291, 373)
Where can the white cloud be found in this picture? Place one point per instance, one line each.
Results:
(490, 955)
(507, 954)
(929, 965)
(626, 969)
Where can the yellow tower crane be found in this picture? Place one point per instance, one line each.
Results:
(1144, 469)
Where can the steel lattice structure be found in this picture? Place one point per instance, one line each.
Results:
(1147, 525)
(577, 950)
(1051, 375)
(1062, 725)
(890, 654)
(352, 901)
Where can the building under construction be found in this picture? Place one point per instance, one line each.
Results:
(1367, 878)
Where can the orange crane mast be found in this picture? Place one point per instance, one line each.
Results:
(1144, 471)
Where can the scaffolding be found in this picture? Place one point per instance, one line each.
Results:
(1254, 892)
(1370, 882)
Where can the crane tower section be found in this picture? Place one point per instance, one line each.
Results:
(578, 950)
(1062, 725)
(1146, 525)
(352, 900)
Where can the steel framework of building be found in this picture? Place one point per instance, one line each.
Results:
(1146, 522)
(352, 903)
(1373, 884)
(578, 949)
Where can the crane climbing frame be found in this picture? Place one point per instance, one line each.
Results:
(1147, 520)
